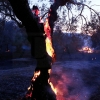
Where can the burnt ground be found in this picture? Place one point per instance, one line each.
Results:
(75, 79)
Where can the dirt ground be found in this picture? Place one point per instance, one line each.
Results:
(74, 80)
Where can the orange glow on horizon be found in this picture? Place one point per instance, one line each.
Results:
(86, 50)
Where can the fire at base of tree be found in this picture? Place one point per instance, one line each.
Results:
(40, 88)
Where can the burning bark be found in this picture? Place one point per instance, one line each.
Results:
(49, 46)
(41, 82)
(49, 25)
(40, 89)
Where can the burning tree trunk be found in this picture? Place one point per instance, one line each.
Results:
(40, 88)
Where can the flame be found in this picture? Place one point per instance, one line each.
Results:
(49, 71)
(50, 51)
(86, 50)
(36, 74)
(49, 47)
(52, 86)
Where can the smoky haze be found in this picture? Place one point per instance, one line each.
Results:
(75, 80)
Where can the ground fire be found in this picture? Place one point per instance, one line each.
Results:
(86, 50)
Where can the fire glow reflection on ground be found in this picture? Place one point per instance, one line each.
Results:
(68, 84)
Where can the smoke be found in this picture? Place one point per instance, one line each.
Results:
(88, 42)
(69, 84)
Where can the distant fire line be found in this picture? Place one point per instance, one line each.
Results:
(86, 50)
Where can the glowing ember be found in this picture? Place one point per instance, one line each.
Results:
(86, 50)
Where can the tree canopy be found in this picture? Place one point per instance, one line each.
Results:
(62, 14)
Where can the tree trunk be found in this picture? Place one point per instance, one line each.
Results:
(38, 50)
(24, 14)
(34, 32)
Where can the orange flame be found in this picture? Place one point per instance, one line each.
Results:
(36, 74)
(49, 47)
(50, 51)
(49, 71)
(52, 86)
(86, 50)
